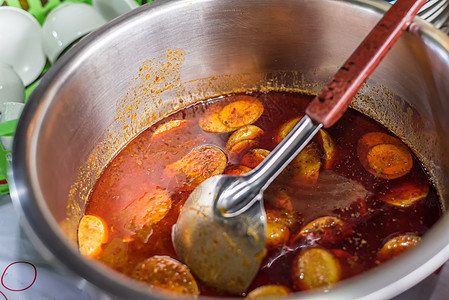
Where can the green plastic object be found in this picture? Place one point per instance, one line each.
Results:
(39, 9)
(6, 129)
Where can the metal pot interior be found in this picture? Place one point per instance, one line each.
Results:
(166, 55)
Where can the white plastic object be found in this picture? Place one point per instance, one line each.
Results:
(10, 111)
(11, 85)
(21, 43)
(67, 23)
(111, 9)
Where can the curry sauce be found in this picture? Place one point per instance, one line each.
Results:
(355, 197)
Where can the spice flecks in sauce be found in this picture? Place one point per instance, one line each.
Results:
(346, 191)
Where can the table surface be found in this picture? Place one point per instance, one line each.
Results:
(441, 291)
(26, 275)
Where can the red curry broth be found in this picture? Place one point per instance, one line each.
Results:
(343, 188)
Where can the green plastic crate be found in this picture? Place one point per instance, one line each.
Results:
(40, 8)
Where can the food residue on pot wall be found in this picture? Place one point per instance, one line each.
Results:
(140, 106)
(157, 90)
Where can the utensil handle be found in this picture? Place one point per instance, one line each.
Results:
(334, 99)
(243, 194)
(324, 110)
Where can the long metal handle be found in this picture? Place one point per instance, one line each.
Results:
(335, 98)
(238, 197)
(284, 153)
(325, 109)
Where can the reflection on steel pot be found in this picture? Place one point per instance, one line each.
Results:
(166, 55)
(435, 12)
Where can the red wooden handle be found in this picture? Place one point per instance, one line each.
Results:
(335, 98)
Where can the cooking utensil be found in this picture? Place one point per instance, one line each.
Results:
(65, 130)
(220, 233)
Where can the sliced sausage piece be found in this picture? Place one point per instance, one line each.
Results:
(277, 196)
(198, 165)
(397, 245)
(277, 233)
(168, 127)
(141, 214)
(237, 170)
(243, 111)
(271, 291)
(115, 255)
(405, 194)
(325, 231)
(315, 268)
(92, 233)
(305, 167)
(243, 139)
(210, 121)
(286, 128)
(254, 157)
(166, 273)
(327, 146)
(384, 156)
(222, 117)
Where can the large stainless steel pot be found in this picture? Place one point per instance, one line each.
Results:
(138, 68)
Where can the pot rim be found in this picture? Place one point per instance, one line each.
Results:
(385, 281)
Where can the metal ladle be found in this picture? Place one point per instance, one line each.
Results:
(220, 232)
